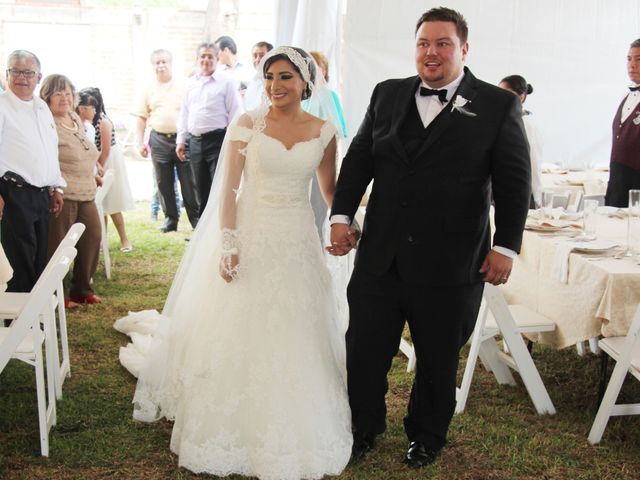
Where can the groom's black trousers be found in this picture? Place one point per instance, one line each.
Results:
(441, 320)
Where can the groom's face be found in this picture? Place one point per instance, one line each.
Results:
(440, 55)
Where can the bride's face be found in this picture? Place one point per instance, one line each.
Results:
(283, 84)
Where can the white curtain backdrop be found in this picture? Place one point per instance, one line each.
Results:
(573, 53)
(312, 25)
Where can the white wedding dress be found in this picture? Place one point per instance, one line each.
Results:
(253, 371)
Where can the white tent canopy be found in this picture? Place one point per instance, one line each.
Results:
(573, 52)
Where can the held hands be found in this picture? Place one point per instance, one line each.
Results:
(343, 239)
(496, 267)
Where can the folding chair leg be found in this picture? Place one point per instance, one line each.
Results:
(65, 365)
(490, 352)
(408, 350)
(484, 361)
(528, 372)
(105, 248)
(608, 402)
(462, 393)
(604, 364)
(51, 348)
(581, 349)
(42, 399)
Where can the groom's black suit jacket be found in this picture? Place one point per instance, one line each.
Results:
(429, 205)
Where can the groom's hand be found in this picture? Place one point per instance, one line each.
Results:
(343, 239)
(496, 267)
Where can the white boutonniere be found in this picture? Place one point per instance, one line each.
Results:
(459, 105)
(636, 121)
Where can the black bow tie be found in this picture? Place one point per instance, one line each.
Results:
(426, 92)
(633, 89)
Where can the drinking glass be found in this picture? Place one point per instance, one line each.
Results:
(547, 204)
(589, 219)
(633, 224)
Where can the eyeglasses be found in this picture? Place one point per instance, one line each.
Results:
(15, 73)
(83, 139)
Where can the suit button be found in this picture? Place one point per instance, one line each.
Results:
(404, 204)
(410, 239)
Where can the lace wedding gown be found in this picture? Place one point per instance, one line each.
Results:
(253, 371)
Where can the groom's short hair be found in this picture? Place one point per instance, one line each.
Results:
(635, 44)
(443, 14)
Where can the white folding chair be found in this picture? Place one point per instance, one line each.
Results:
(575, 202)
(599, 197)
(498, 318)
(12, 303)
(626, 352)
(101, 193)
(560, 200)
(407, 349)
(24, 338)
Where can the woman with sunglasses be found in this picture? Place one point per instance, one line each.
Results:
(78, 159)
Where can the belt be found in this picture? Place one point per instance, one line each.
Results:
(212, 133)
(169, 136)
(17, 181)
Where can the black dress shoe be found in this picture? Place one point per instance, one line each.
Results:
(168, 227)
(363, 443)
(418, 455)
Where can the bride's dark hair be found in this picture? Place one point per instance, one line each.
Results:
(308, 59)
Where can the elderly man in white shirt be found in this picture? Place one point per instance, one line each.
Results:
(30, 179)
(210, 102)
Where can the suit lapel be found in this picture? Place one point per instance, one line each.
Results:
(466, 89)
(401, 107)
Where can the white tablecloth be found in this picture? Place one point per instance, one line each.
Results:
(588, 182)
(600, 297)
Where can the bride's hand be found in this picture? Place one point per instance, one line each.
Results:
(228, 267)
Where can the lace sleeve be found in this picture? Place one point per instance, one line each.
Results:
(233, 163)
(238, 132)
(327, 132)
(238, 136)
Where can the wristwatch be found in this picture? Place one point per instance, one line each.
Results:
(56, 189)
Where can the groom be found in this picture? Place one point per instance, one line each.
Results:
(438, 147)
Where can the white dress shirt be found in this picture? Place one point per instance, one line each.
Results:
(239, 72)
(209, 103)
(430, 106)
(632, 101)
(29, 141)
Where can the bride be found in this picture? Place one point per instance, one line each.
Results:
(248, 357)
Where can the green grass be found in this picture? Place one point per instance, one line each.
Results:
(499, 436)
